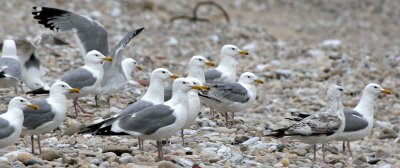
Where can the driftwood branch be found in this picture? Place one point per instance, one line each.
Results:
(195, 18)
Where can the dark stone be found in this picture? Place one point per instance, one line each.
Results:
(189, 153)
(280, 147)
(374, 160)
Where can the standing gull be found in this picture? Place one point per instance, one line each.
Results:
(320, 127)
(11, 121)
(360, 120)
(232, 97)
(86, 78)
(160, 121)
(194, 106)
(92, 36)
(226, 70)
(153, 96)
(195, 70)
(10, 68)
(51, 112)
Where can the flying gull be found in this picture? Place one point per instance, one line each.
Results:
(128, 65)
(92, 36)
(232, 97)
(11, 121)
(51, 112)
(195, 70)
(10, 68)
(153, 96)
(360, 120)
(86, 78)
(320, 127)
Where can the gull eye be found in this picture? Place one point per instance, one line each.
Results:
(248, 76)
(62, 85)
(96, 55)
(376, 87)
(163, 72)
(21, 100)
(184, 82)
(233, 48)
(340, 89)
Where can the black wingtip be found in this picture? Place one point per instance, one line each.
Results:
(38, 91)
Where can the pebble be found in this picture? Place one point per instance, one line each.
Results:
(224, 152)
(184, 162)
(285, 162)
(223, 130)
(236, 158)
(51, 155)
(128, 159)
(251, 141)
(374, 160)
(241, 138)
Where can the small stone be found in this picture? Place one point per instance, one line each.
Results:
(300, 152)
(280, 147)
(374, 160)
(241, 138)
(105, 164)
(285, 162)
(81, 146)
(119, 150)
(11, 156)
(379, 153)
(243, 148)
(236, 158)
(166, 164)
(223, 130)
(360, 160)
(184, 162)
(251, 141)
(34, 161)
(51, 155)
(24, 157)
(333, 150)
(128, 159)
(95, 161)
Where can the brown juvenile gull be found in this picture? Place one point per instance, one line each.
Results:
(320, 127)
(360, 120)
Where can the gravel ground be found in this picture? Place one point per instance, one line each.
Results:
(297, 47)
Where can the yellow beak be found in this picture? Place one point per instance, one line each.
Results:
(205, 87)
(74, 90)
(33, 106)
(197, 87)
(174, 76)
(386, 91)
(138, 67)
(243, 52)
(210, 64)
(107, 58)
(259, 81)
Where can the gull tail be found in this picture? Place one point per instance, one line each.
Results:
(279, 133)
(300, 115)
(101, 128)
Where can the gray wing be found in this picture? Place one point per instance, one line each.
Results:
(167, 93)
(5, 128)
(11, 67)
(79, 78)
(317, 124)
(92, 34)
(135, 107)
(35, 118)
(149, 120)
(225, 91)
(113, 72)
(212, 75)
(354, 121)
